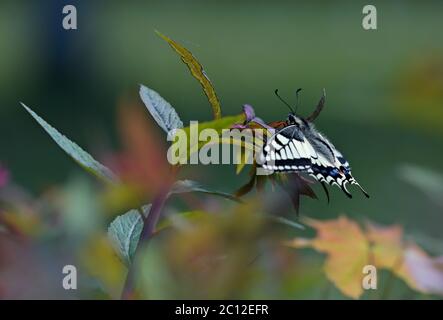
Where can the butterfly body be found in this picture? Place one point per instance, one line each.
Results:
(299, 147)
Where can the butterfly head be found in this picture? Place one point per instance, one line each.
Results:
(293, 119)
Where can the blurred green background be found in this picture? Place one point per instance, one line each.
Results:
(384, 87)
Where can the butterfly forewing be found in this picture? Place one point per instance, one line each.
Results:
(292, 149)
(287, 151)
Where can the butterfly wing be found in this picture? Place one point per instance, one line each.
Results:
(289, 150)
(346, 170)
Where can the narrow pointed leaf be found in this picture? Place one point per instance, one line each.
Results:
(84, 159)
(197, 71)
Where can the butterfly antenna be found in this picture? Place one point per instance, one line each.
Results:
(282, 100)
(297, 97)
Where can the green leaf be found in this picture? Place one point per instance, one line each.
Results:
(84, 159)
(197, 71)
(218, 125)
(162, 112)
(184, 186)
(125, 232)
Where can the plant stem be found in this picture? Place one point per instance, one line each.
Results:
(149, 223)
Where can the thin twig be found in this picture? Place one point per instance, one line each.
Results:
(319, 107)
(149, 223)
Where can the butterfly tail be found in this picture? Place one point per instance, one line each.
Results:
(361, 188)
(344, 189)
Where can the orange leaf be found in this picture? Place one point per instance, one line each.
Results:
(349, 248)
(100, 261)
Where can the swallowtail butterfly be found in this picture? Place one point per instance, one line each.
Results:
(297, 146)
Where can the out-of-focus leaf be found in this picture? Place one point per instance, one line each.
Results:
(143, 163)
(387, 250)
(197, 71)
(25, 223)
(155, 280)
(4, 176)
(162, 112)
(428, 181)
(215, 257)
(99, 260)
(125, 232)
(84, 159)
(417, 97)
(184, 186)
(349, 248)
(121, 197)
(427, 271)
(80, 211)
(180, 219)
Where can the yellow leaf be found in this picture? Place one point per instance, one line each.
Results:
(25, 222)
(349, 248)
(388, 251)
(386, 245)
(191, 141)
(197, 71)
(98, 257)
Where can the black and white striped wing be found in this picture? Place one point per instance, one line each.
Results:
(289, 150)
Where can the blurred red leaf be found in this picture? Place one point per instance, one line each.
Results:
(143, 161)
(4, 176)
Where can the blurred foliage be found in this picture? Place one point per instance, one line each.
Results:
(383, 109)
(350, 249)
